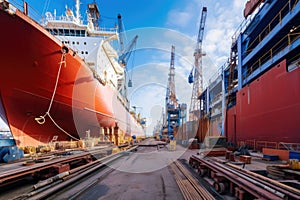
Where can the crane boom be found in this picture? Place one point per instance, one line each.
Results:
(201, 28)
(127, 52)
(124, 53)
(197, 80)
(121, 33)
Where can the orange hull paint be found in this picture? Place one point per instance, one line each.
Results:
(30, 60)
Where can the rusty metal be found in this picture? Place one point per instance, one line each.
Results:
(236, 181)
(189, 186)
(287, 190)
(6, 176)
(73, 176)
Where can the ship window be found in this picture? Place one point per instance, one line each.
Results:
(77, 43)
(84, 43)
(50, 30)
(77, 32)
(82, 52)
(73, 42)
(72, 33)
(67, 32)
(54, 31)
(86, 52)
(82, 33)
(60, 32)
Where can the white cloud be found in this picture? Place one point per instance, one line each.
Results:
(238, 4)
(179, 18)
(184, 16)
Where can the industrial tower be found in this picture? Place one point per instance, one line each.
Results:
(171, 95)
(172, 106)
(197, 78)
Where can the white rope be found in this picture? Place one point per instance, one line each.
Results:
(71, 136)
(42, 119)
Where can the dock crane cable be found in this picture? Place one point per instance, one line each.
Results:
(197, 78)
(130, 75)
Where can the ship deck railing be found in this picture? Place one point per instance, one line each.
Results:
(260, 144)
(81, 25)
(41, 19)
(242, 27)
(32, 12)
(282, 44)
(288, 7)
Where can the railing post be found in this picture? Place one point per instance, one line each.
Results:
(280, 18)
(271, 52)
(25, 5)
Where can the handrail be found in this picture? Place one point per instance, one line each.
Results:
(270, 54)
(241, 28)
(269, 28)
(36, 15)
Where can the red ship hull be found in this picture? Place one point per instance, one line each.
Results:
(267, 110)
(30, 62)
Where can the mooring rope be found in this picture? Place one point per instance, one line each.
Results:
(42, 119)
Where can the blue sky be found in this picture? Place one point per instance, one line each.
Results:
(160, 24)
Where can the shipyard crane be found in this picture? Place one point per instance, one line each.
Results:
(125, 52)
(171, 100)
(121, 33)
(197, 77)
(123, 58)
(172, 106)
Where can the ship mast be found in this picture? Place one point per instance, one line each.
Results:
(77, 6)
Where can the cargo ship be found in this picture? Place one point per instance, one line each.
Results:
(254, 99)
(61, 79)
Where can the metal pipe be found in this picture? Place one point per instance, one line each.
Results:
(74, 176)
(281, 195)
(282, 187)
(243, 183)
(50, 180)
(286, 187)
(63, 175)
